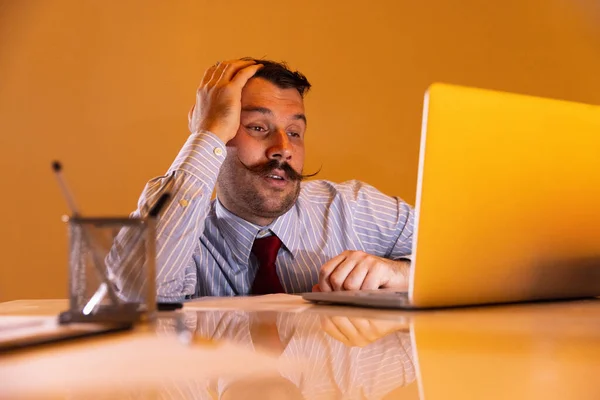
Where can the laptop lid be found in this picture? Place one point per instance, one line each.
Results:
(508, 199)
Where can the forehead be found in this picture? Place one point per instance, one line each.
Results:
(259, 92)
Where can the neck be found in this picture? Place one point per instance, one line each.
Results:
(246, 216)
(257, 220)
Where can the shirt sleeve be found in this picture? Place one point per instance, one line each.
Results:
(383, 223)
(190, 181)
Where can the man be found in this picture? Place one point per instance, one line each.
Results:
(266, 231)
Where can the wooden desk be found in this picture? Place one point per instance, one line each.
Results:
(278, 347)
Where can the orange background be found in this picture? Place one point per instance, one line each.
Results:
(105, 87)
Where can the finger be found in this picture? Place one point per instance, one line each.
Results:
(208, 74)
(220, 67)
(385, 327)
(332, 330)
(355, 278)
(366, 328)
(327, 269)
(338, 277)
(373, 280)
(316, 288)
(234, 67)
(244, 75)
(227, 69)
(347, 328)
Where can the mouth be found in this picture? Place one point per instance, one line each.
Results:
(277, 174)
(276, 178)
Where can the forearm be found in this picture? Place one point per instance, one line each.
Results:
(190, 180)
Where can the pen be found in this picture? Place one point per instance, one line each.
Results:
(158, 206)
(106, 286)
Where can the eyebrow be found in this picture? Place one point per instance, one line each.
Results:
(265, 110)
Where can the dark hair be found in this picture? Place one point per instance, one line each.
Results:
(281, 76)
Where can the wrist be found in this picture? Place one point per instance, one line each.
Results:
(220, 131)
(400, 274)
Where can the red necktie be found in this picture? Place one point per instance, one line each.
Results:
(266, 280)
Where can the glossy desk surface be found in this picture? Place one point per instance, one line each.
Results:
(278, 347)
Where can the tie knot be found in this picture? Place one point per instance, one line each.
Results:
(265, 249)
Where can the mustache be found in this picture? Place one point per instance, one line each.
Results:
(269, 166)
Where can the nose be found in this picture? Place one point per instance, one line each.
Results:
(279, 147)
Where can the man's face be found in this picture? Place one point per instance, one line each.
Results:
(272, 127)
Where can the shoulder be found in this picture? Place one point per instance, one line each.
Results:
(319, 191)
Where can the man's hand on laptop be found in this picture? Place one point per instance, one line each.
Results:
(357, 270)
(219, 98)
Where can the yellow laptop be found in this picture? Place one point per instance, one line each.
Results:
(508, 203)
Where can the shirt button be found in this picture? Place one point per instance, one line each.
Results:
(218, 151)
(263, 233)
(183, 202)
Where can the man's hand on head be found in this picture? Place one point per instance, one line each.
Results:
(357, 270)
(218, 99)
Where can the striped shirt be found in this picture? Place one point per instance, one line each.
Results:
(205, 250)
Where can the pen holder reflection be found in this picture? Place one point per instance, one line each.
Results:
(112, 269)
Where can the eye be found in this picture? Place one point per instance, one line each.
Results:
(293, 134)
(256, 128)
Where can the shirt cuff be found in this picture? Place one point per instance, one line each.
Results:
(201, 156)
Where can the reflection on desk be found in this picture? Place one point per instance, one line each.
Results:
(234, 355)
(528, 351)
(318, 356)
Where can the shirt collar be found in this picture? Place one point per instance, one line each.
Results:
(239, 234)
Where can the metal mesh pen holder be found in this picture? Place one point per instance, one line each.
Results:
(112, 264)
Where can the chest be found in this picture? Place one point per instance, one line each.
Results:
(223, 259)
